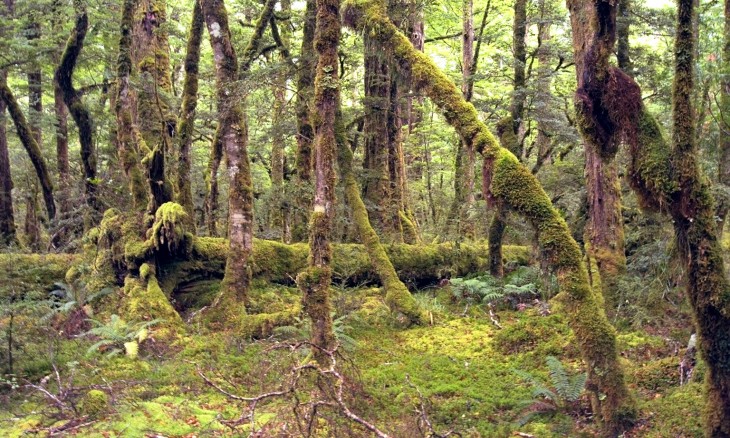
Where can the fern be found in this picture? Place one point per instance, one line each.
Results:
(302, 329)
(562, 394)
(117, 335)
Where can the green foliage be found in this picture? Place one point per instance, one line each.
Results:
(117, 336)
(67, 297)
(562, 394)
(518, 287)
(302, 328)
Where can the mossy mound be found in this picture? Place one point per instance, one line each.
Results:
(33, 273)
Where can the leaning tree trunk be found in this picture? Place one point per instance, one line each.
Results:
(186, 120)
(79, 112)
(314, 281)
(8, 234)
(513, 184)
(397, 295)
(31, 146)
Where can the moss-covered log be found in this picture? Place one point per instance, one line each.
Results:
(186, 119)
(512, 183)
(31, 146)
(77, 108)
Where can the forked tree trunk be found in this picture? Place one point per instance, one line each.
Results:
(723, 174)
(514, 185)
(314, 281)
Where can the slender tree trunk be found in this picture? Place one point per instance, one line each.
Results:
(32, 225)
(8, 234)
(278, 212)
(509, 131)
(78, 110)
(305, 130)
(315, 280)
(723, 176)
(623, 27)
(211, 179)
(186, 120)
(62, 162)
(35, 88)
(465, 158)
(30, 145)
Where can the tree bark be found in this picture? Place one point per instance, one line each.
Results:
(594, 36)
(186, 119)
(78, 110)
(8, 234)
(31, 146)
(232, 134)
(129, 140)
(693, 216)
(723, 174)
(305, 131)
(314, 281)
(513, 184)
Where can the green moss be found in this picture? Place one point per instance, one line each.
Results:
(533, 333)
(33, 273)
(169, 229)
(658, 375)
(94, 404)
(678, 413)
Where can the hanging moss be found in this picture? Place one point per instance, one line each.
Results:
(169, 231)
(512, 183)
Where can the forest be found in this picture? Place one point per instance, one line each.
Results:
(364, 218)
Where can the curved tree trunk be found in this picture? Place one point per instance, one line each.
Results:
(78, 110)
(314, 281)
(514, 185)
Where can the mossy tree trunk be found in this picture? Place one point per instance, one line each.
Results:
(513, 184)
(723, 174)
(314, 281)
(186, 119)
(623, 30)
(35, 83)
(693, 213)
(509, 130)
(77, 108)
(150, 54)
(232, 134)
(129, 140)
(61, 124)
(31, 146)
(594, 37)
(305, 130)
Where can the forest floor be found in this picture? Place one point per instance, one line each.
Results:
(463, 372)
